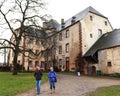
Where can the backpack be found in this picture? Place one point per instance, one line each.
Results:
(55, 78)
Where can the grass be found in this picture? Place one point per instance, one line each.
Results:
(11, 85)
(107, 91)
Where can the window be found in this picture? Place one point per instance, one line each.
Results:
(67, 47)
(18, 61)
(43, 64)
(73, 19)
(63, 25)
(106, 23)
(91, 18)
(36, 63)
(60, 36)
(99, 32)
(60, 62)
(60, 49)
(67, 33)
(30, 63)
(37, 52)
(30, 41)
(43, 43)
(37, 42)
(30, 52)
(91, 35)
(109, 64)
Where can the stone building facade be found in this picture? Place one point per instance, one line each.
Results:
(104, 55)
(74, 37)
(84, 29)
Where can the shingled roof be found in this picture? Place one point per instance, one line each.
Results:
(54, 24)
(107, 40)
(81, 15)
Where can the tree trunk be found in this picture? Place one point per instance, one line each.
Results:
(15, 71)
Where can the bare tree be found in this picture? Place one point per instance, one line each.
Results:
(50, 45)
(20, 14)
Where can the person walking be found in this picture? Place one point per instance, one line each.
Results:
(38, 76)
(52, 79)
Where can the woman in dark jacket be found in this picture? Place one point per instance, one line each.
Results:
(38, 77)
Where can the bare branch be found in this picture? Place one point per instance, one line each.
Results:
(6, 47)
(8, 23)
(5, 40)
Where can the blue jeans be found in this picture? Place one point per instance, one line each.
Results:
(52, 85)
(38, 84)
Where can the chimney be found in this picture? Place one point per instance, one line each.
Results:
(62, 21)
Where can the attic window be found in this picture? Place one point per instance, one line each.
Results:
(91, 18)
(63, 25)
(91, 35)
(106, 23)
(73, 19)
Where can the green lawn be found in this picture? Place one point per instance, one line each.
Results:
(107, 91)
(11, 85)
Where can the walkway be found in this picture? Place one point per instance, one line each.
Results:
(69, 85)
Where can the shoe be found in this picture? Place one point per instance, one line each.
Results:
(51, 92)
(38, 93)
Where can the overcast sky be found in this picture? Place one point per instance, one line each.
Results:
(68, 8)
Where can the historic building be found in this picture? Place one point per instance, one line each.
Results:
(77, 35)
(73, 39)
(104, 55)
(30, 40)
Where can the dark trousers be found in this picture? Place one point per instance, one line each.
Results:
(52, 85)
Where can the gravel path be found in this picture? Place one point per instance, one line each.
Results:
(69, 85)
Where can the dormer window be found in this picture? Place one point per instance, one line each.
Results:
(73, 19)
(63, 25)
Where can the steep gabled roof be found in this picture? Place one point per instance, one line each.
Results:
(79, 16)
(107, 40)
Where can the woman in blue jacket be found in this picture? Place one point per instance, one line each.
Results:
(52, 79)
